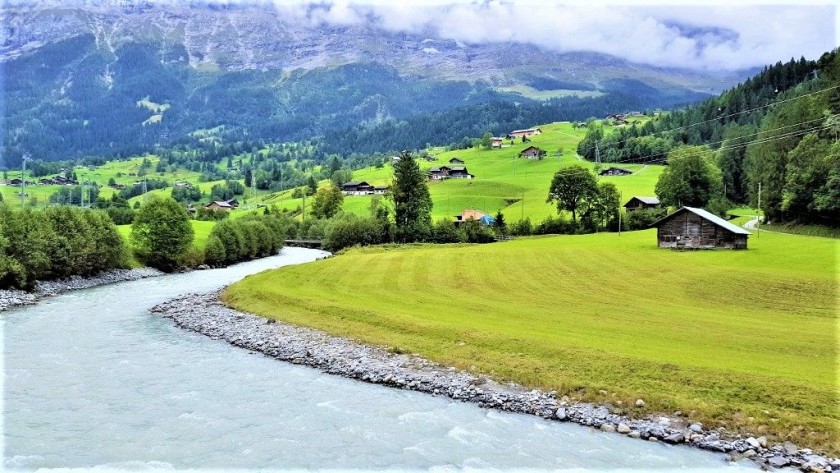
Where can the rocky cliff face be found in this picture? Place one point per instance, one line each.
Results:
(253, 37)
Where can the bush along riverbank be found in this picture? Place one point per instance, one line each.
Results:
(205, 314)
(11, 298)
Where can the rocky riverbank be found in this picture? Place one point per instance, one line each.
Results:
(11, 298)
(204, 313)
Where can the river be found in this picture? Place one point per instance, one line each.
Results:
(92, 378)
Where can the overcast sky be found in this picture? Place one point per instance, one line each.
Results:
(720, 35)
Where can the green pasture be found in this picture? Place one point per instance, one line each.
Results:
(745, 340)
(505, 182)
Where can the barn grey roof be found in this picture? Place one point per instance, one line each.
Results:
(710, 217)
(646, 200)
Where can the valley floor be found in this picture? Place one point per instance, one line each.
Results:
(744, 340)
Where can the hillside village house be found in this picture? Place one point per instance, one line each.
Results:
(473, 214)
(612, 171)
(362, 188)
(449, 172)
(357, 188)
(526, 133)
(640, 203)
(693, 228)
(496, 142)
(456, 161)
(532, 152)
(220, 205)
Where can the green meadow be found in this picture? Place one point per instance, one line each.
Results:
(745, 340)
(504, 182)
(123, 172)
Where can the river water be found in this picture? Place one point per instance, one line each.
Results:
(92, 379)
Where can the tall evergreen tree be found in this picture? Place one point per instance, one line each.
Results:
(412, 202)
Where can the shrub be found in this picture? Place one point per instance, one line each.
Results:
(522, 228)
(643, 219)
(555, 226)
(444, 231)
(161, 233)
(214, 252)
(56, 243)
(350, 230)
(477, 232)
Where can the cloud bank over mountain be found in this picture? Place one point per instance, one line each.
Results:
(712, 37)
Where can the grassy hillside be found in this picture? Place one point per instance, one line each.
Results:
(503, 181)
(123, 172)
(740, 339)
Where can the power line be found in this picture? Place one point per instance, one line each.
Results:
(734, 146)
(691, 125)
(661, 156)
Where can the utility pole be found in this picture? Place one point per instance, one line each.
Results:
(303, 213)
(619, 213)
(758, 222)
(597, 155)
(23, 181)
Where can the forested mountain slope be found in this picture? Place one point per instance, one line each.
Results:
(778, 130)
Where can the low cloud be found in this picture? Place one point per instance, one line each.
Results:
(711, 37)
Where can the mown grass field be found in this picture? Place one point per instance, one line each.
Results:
(503, 181)
(740, 339)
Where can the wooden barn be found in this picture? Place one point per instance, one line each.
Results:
(693, 228)
(456, 161)
(613, 171)
(532, 152)
(219, 205)
(641, 203)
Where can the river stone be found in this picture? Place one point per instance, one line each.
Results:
(778, 461)
(607, 427)
(696, 427)
(790, 448)
(635, 434)
(762, 441)
(675, 438)
(561, 413)
(640, 403)
(623, 428)
(754, 443)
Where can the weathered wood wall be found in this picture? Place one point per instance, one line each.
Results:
(688, 230)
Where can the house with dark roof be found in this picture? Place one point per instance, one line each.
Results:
(613, 171)
(527, 132)
(440, 173)
(357, 188)
(456, 161)
(496, 141)
(640, 203)
(532, 152)
(379, 190)
(219, 205)
(693, 228)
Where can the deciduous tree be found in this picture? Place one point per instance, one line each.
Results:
(161, 233)
(573, 188)
(689, 179)
(328, 202)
